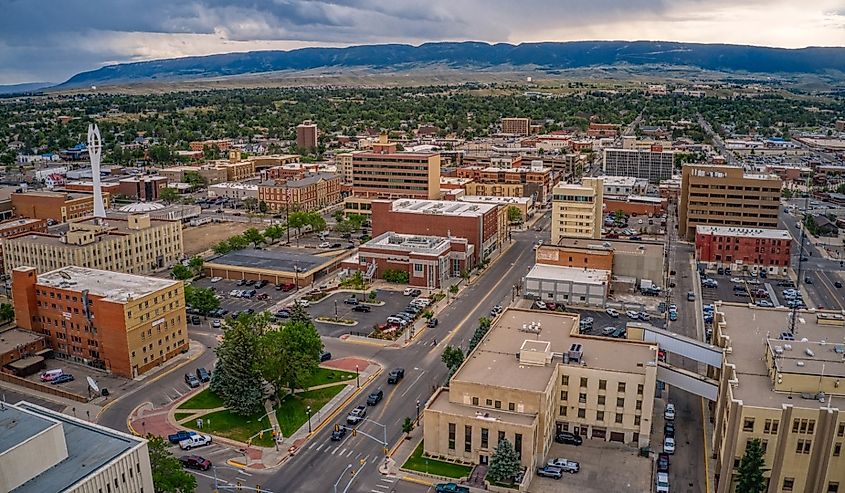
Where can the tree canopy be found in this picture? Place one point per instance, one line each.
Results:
(168, 474)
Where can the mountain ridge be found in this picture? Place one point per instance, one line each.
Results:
(476, 55)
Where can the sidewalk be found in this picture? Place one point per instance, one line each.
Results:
(162, 422)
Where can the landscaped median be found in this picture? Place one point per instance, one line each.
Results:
(419, 463)
(291, 413)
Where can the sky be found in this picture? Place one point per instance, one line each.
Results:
(51, 40)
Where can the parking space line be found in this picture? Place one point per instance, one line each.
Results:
(342, 452)
(350, 453)
(335, 450)
(321, 446)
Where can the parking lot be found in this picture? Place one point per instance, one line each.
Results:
(630, 472)
(115, 385)
(394, 302)
(756, 289)
(234, 303)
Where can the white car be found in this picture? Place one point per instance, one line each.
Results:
(736, 280)
(669, 413)
(539, 304)
(235, 292)
(302, 302)
(669, 445)
(408, 292)
(639, 221)
(613, 313)
(662, 483)
(324, 244)
(633, 314)
(645, 317)
(216, 279)
(195, 441)
(566, 465)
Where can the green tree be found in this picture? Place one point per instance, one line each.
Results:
(454, 289)
(203, 299)
(344, 227)
(7, 312)
(338, 215)
(222, 247)
(514, 215)
(195, 180)
(397, 276)
(262, 207)
(168, 474)
(750, 473)
(160, 154)
(181, 272)
(504, 464)
(298, 314)
(236, 379)
(168, 195)
(195, 263)
(252, 235)
(452, 357)
(301, 347)
(251, 203)
(274, 232)
(407, 427)
(238, 242)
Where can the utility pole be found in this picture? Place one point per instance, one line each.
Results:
(801, 252)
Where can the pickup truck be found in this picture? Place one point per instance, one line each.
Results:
(195, 440)
(450, 488)
(179, 436)
(356, 415)
(565, 465)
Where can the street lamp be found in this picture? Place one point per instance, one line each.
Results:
(335, 310)
(418, 412)
(357, 379)
(308, 412)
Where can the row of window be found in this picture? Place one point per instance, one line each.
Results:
(485, 439)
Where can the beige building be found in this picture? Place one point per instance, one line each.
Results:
(599, 388)
(577, 210)
(784, 389)
(135, 244)
(343, 162)
(714, 195)
(516, 126)
(45, 451)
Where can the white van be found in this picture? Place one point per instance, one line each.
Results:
(50, 375)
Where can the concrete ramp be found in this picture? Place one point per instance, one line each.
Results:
(688, 380)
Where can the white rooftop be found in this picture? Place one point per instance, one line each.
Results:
(489, 199)
(441, 207)
(772, 234)
(234, 185)
(622, 180)
(409, 243)
(114, 286)
(574, 274)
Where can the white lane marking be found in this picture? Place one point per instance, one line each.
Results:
(321, 446)
(388, 480)
(312, 445)
(350, 453)
(342, 452)
(412, 384)
(335, 449)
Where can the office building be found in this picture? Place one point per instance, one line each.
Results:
(516, 126)
(47, 451)
(630, 261)
(744, 249)
(577, 210)
(784, 389)
(123, 323)
(58, 205)
(600, 130)
(311, 192)
(14, 227)
(532, 376)
(134, 244)
(221, 145)
(478, 223)
(396, 175)
(343, 162)
(567, 285)
(623, 186)
(652, 164)
(306, 136)
(524, 181)
(233, 190)
(146, 188)
(713, 195)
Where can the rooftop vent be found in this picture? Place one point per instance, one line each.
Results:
(576, 352)
(809, 352)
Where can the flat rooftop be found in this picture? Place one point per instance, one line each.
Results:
(574, 274)
(754, 330)
(12, 338)
(493, 361)
(614, 180)
(14, 223)
(441, 207)
(441, 403)
(413, 243)
(17, 425)
(114, 286)
(89, 447)
(734, 231)
(489, 199)
(282, 260)
(234, 185)
(646, 248)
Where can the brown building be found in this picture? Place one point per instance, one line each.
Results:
(273, 160)
(312, 191)
(306, 135)
(124, 323)
(60, 206)
(572, 256)
(14, 227)
(478, 223)
(533, 181)
(396, 175)
(598, 130)
(146, 188)
(516, 126)
(21, 346)
(725, 196)
(222, 145)
(88, 186)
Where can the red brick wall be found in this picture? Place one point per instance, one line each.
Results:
(750, 250)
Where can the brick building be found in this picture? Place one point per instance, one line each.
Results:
(428, 260)
(516, 126)
(14, 227)
(306, 135)
(478, 223)
(58, 205)
(146, 188)
(222, 145)
(598, 130)
(88, 186)
(312, 191)
(744, 248)
(124, 323)
(533, 181)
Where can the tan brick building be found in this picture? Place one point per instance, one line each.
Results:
(577, 210)
(312, 191)
(516, 126)
(58, 205)
(124, 323)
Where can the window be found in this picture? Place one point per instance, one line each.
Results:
(621, 387)
(795, 423)
(636, 421)
(602, 384)
(517, 444)
(501, 437)
(639, 406)
(564, 380)
(748, 424)
(619, 417)
(451, 436)
(582, 413)
(640, 389)
(562, 410)
(837, 449)
(811, 427)
(498, 405)
(582, 397)
(485, 438)
(489, 402)
(841, 431)
(832, 487)
(475, 401)
(788, 483)
(467, 438)
(620, 402)
(803, 446)
(511, 406)
(599, 415)
(601, 400)
(583, 381)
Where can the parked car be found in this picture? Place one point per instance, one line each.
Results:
(669, 429)
(673, 316)
(216, 324)
(690, 296)
(669, 445)
(260, 284)
(50, 375)
(553, 472)
(302, 302)
(395, 375)
(569, 438)
(669, 413)
(661, 484)
(356, 415)
(566, 465)
(432, 322)
(608, 331)
(283, 313)
(837, 284)
(645, 317)
(450, 488)
(551, 305)
(362, 308)
(338, 433)
(216, 279)
(539, 304)
(325, 356)
(375, 397)
(195, 462)
(191, 380)
(613, 313)
(411, 292)
(662, 462)
(619, 332)
(180, 435)
(324, 244)
(195, 441)
(64, 377)
(195, 319)
(352, 300)
(203, 375)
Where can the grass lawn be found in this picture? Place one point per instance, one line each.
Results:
(240, 428)
(203, 400)
(324, 375)
(291, 413)
(181, 416)
(416, 462)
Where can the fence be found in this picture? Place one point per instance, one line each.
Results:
(47, 389)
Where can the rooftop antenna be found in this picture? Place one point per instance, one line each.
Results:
(95, 152)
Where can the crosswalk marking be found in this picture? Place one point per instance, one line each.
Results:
(342, 452)
(350, 453)
(382, 486)
(335, 449)
(321, 446)
(388, 480)
(312, 445)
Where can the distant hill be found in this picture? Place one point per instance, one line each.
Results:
(474, 56)
(23, 88)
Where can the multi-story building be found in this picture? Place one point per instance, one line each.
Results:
(14, 227)
(396, 175)
(478, 223)
(577, 210)
(88, 186)
(146, 188)
(306, 135)
(312, 191)
(598, 130)
(221, 145)
(178, 174)
(623, 186)
(748, 249)
(134, 244)
(516, 126)
(534, 181)
(60, 206)
(531, 376)
(429, 261)
(784, 389)
(273, 160)
(123, 323)
(725, 196)
(630, 260)
(233, 190)
(45, 450)
(653, 164)
(344, 166)
(567, 285)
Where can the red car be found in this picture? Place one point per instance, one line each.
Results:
(195, 462)
(551, 306)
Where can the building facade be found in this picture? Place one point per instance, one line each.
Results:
(725, 196)
(744, 249)
(567, 285)
(146, 188)
(311, 192)
(60, 206)
(306, 136)
(577, 210)
(233, 190)
(134, 244)
(516, 126)
(396, 175)
(653, 164)
(123, 323)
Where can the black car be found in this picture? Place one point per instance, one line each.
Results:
(375, 397)
(338, 433)
(203, 375)
(195, 319)
(669, 429)
(395, 375)
(432, 322)
(250, 282)
(569, 438)
(282, 314)
(260, 284)
(361, 308)
(663, 462)
(837, 284)
(325, 356)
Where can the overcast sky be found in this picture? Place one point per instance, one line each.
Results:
(50, 40)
